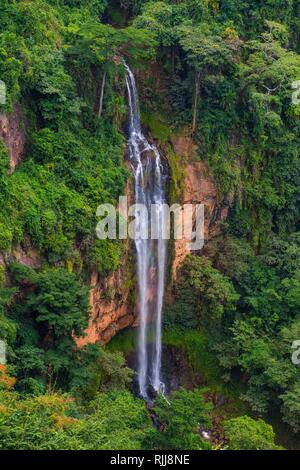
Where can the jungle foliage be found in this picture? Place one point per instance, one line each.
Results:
(225, 70)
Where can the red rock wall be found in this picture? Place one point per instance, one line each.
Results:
(110, 308)
(199, 188)
(110, 300)
(12, 131)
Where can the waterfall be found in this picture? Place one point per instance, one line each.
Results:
(150, 190)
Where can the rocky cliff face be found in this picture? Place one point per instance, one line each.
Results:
(12, 131)
(111, 309)
(199, 187)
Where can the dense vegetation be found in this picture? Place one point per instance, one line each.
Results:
(226, 70)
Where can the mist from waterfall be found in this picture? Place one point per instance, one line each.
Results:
(150, 188)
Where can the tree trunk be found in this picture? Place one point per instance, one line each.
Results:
(173, 59)
(196, 98)
(102, 94)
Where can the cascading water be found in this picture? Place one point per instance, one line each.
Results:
(150, 190)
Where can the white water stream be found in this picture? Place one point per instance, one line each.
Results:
(150, 189)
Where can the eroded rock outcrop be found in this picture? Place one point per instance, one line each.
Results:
(111, 309)
(199, 187)
(12, 131)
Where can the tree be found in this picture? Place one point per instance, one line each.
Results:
(8, 328)
(102, 371)
(162, 19)
(203, 296)
(104, 46)
(117, 421)
(214, 293)
(54, 310)
(259, 341)
(290, 406)
(206, 53)
(53, 422)
(245, 433)
(180, 417)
